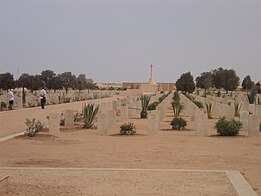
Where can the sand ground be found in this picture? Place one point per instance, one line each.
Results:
(80, 148)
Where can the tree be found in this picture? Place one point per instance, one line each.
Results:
(24, 81)
(6, 81)
(37, 83)
(46, 77)
(55, 83)
(68, 80)
(81, 82)
(205, 80)
(218, 77)
(90, 84)
(231, 81)
(247, 83)
(186, 83)
(224, 78)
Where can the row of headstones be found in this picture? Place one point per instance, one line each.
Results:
(163, 106)
(32, 99)
(250, 115)
(222, 108)
(128, 107)
(251, 122)
(106, 118)
(199, 117)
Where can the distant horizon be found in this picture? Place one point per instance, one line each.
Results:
(240, 81)
(116, 41)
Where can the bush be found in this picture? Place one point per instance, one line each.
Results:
(78, 116)
(228, 128)
(2, 105)
(210, 108)
(251, 97)
(144, 105)
(199, 104)
(178, 123)
(177, 108)
(128, 129)
(162, 98)
(33, 127)
(176, 97)
(89, 113)
(153, 105)
(237, 108)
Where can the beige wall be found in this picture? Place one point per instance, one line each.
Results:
(137, 85)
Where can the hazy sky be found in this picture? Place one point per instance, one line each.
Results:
(117, 40)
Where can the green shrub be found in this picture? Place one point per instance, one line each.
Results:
(177, 108)
(162, 98)
(258, 101)
(178, 123)
(199, 104)
(145, 99)
(89, 113)
(78, 116)
(62, 122)
(153, 105)
(251, 97)
(210, 108)
(237, 108)
(176, 97)
(2, 105)
(228, 128)
(128, 129)
(33, 127)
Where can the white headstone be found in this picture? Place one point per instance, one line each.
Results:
(54, 124)
(253, 125)
(69, 118)
(202, 125)
(244, 115)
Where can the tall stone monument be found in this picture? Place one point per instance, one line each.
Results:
(151, 80)
(151, 86)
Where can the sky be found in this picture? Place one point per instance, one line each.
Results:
(117, 40)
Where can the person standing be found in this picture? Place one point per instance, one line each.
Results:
(10, 98)
(43, 97)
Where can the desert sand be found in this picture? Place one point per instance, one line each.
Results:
(82, 148)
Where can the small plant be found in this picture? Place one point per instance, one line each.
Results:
(210, 108)
(62, 122)
(153, 105)
(162, 98)
(251, 97)
(144, 105)
(176, 97)
(199, 104)
(177, 108)
(2, 105)
(89, 113)
(128, 129)
(237, 108)
(260, 127)
(178, 123)
(78, 116)
(228, 128)
(258, 101)
(33, 127)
